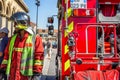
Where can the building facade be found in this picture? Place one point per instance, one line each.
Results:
(33, 25)
(7, 8)
(44, 34)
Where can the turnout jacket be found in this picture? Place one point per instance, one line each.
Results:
(23, 56)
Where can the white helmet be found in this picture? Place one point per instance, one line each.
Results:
(5, 30)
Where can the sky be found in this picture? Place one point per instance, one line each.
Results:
(46, 9)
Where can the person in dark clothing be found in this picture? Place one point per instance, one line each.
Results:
(4, 40)
(49, 46)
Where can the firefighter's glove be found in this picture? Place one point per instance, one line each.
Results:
(36, 76)
(2, 74)
(2, 71)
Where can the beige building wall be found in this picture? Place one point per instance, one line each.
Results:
(44, 34)
(7, 8)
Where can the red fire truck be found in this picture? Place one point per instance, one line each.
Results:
(89, 39)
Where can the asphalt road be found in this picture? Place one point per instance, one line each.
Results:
(49, 67)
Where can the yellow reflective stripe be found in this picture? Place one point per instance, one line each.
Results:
(70, 28)
(38, 62)
(95, 58)
(4, 61)
(18, 49)
(68, 13)
(65, 1)
(66, 49)
(20, 26)
(67, 65)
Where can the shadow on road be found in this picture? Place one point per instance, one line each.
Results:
(45, 77)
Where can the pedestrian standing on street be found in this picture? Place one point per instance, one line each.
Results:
(23, 59)
(45, 48)
(4, 40)
(49, 48)
(4, 35)
(44, 44)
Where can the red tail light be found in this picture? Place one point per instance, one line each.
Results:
(84, 12)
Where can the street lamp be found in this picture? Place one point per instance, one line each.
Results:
(37, 4)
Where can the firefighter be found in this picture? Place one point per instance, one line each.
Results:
(23, 59)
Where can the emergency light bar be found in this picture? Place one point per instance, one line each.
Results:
(84, 12)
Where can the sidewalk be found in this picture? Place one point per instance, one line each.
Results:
(46, 64)
(49, 66)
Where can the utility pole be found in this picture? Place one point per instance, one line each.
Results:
(37, 4)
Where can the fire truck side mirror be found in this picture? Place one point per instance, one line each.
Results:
(50, 30)
(50, 20)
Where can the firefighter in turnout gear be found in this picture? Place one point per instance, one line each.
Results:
(23, 59)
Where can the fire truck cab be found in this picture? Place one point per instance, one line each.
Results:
(90, 39)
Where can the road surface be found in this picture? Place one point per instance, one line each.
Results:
(49, 67)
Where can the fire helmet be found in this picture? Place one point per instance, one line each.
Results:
(21, 18)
